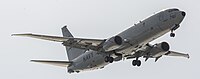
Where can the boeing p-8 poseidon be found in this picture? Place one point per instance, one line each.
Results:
(133, 43)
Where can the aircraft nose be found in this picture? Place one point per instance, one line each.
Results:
(183, 13)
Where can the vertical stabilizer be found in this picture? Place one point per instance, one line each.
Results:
(72, 53)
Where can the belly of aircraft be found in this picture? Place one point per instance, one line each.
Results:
(140, 39)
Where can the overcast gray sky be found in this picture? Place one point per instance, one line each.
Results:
(92, 19)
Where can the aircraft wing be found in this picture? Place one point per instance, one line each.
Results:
(44, 37)
(81, 43)
(173, 53)
(55, 63)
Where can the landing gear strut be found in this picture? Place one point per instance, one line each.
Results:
(136, 62)
(172, 34)
(173, 29)
(109, 59)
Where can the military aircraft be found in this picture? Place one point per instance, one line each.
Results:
(89, 54)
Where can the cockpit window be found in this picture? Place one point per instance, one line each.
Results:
(172, 10)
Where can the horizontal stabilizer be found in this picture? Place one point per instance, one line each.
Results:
(55, 63)
(173, 53)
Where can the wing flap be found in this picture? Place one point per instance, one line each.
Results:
(173, 53)
(55, 63)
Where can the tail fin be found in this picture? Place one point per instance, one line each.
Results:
(72, 53)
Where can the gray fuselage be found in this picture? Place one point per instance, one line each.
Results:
(135, 38)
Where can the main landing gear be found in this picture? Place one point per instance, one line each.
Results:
(109, 59)
(136, 62)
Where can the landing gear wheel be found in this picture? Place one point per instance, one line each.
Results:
(109, 59)
(106, 59)
(136, 63)
(70, 71)
(77, 71)
(172, 34)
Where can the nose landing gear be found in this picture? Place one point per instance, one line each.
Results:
(176, 26)
(172, 34)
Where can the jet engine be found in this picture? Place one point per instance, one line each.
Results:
(159, 49)
(112, 43)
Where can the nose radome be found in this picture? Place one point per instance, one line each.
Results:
(183, 13)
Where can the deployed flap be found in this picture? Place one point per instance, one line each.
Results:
(81, 43)
(55, 63)
(173, 53)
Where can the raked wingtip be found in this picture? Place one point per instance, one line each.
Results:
(188, 56)
(12, 34)
(15, 34)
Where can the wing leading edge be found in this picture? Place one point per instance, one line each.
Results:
(81, 43)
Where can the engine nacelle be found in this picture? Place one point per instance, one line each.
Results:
(159, 49)
(112, 43)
